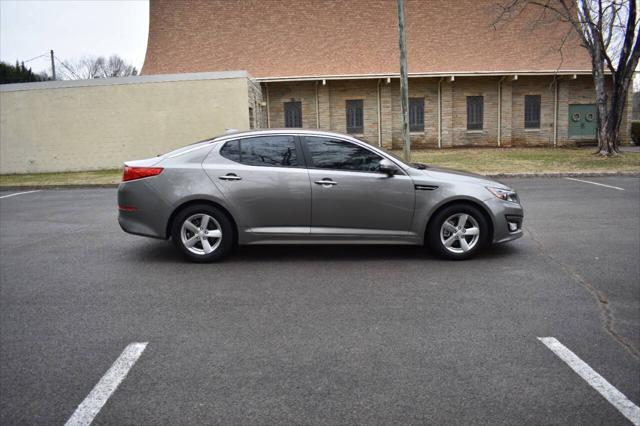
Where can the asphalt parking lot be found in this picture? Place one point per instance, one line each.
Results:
(321, 335)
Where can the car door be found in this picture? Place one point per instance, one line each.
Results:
(265, 183)
(350, 195)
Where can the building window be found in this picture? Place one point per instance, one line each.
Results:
(475, 112)
(416, 114)
(293, 114)
(355, 120)
(532, 112)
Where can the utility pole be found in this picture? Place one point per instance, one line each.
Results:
(404, 85)
(53, 66)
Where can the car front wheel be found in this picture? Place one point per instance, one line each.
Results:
(202, 233)
(458, 232)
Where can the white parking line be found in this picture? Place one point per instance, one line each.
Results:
(90, 407)
(19, 193)
(596, 183)
(604, 388)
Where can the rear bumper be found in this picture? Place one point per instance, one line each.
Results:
(503, 213)
(141, 211)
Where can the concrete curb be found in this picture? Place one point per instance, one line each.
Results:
(495, 176)
(33, 187)
(562, 175)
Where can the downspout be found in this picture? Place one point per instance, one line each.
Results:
(266, 88)
(555, 112)
(379, 115)
(440, 112)
(317, 107)
(500, 109)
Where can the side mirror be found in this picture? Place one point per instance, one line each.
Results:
(388, 167)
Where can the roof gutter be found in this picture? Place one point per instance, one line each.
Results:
(440, 112)
(424, 75)
(500, 109)
(555, 112)
(379, 114)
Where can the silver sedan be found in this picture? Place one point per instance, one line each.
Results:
(294, 186)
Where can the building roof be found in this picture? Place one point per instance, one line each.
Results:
(117, 81)
(323, 38)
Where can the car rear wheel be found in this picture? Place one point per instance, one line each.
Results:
(202, 233)
(458, 232)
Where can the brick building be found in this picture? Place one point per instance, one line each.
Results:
(334, 64)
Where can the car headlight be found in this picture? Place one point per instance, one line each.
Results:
(504, 194)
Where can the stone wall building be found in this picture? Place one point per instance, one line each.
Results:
(334, 64)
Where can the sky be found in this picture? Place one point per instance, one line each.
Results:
(72, 28)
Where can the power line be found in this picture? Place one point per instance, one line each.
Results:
(69, 68)
(33, 59)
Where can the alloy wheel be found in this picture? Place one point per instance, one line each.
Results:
(201, 234)
(460, 233)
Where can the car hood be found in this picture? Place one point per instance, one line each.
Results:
(461, 176)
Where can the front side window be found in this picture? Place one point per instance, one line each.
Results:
(355, 116)
(532, 111)
(475, 113)
(293, 114)
(275, 151)
(335, 154)
(416, 114)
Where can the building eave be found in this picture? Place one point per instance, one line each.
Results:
(422, 75)
(115, 81)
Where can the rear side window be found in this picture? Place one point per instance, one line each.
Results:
(231, 150)
(337, 154)
(274, 151)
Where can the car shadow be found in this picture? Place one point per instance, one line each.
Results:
(165, 252)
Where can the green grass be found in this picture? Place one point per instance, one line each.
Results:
(526, 160)
(479, 160)
(96, 177)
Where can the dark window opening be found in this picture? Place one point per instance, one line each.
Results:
(532, 111)
(475, 112)
(231, 151)
(416, 114)
(274, 151)
(355, 119)
(293, 114)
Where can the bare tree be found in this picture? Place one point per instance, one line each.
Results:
(115, 66)
(608, 29)
(89, 67)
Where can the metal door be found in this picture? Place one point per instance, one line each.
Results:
(347, 198)
(265, 183)
(582, 121)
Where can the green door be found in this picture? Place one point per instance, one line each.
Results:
(582, 121)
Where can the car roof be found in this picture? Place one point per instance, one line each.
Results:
(285, 130)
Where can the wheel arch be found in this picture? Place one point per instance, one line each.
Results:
(464, 201)
(204, 201)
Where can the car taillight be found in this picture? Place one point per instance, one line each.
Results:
(133, 173)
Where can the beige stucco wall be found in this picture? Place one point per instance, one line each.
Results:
(101, 126)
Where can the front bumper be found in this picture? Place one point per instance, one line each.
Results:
(504, 215)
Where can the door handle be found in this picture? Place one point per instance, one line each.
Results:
(230, 176)
(326, 182)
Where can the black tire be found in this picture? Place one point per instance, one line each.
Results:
(217, 220)
(435, 225)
